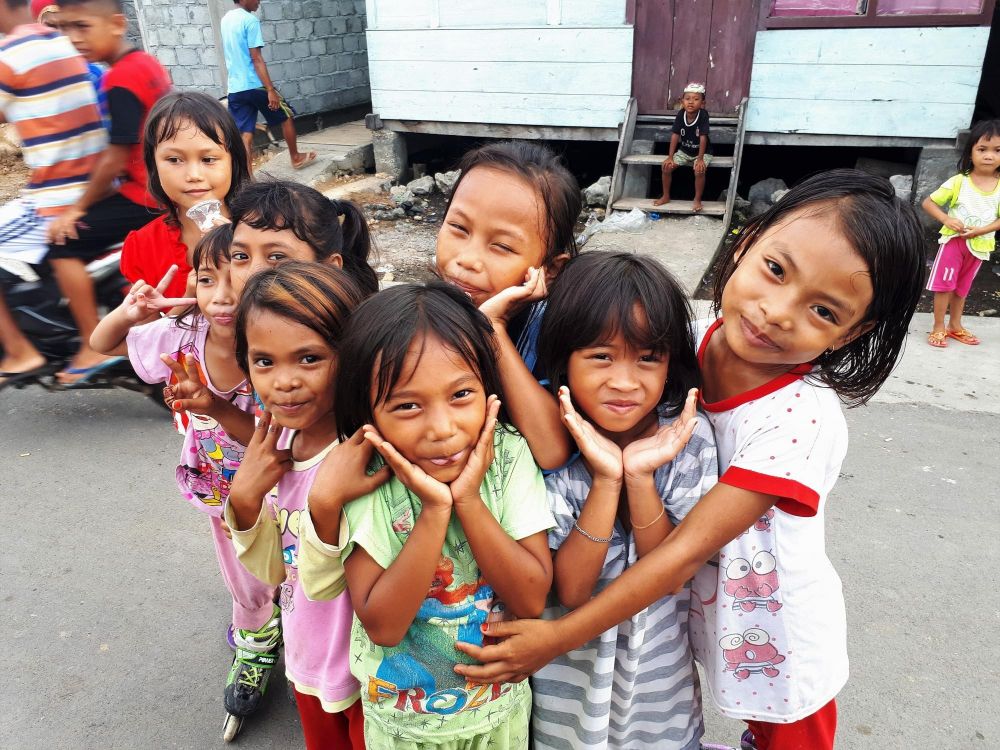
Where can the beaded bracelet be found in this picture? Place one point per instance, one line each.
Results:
(592, 538)
(662, 511)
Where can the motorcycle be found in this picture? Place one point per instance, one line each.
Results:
(42, 314)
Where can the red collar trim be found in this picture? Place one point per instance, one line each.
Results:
(753, 394)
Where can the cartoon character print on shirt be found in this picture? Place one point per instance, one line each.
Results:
(218, 459)
(750, 652)
(753, 583)
(288, 522)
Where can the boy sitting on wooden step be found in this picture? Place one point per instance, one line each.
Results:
(688, 144)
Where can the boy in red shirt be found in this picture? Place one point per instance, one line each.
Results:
(116, 200)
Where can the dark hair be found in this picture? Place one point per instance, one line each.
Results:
(320, 297)
(12, 4)
(178, 110)
(595, 298)
(379, 338)
(885, 231)
(329, 227)
(116, 4)
(982, 129)
(212, 250)
(539, 166)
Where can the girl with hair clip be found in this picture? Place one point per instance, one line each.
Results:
(193, 153)
(507, 231)
(276, 221)
(289, 332)
(192, 355)
(460, 526)
(616, 345)
(814, 301)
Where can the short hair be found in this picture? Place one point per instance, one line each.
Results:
(544, 170)
(594, 298)
(328, 226)
(318, 296)
(886, 233)
(379, 337)
(114, 5)
(14, 4)
(175, 111)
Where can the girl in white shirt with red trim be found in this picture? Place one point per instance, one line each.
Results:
(815, 299)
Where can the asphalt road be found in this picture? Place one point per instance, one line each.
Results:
(114, 613)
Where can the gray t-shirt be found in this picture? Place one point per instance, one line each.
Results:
(634, 685)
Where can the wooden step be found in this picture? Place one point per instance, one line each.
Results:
(662, 133)
(655, 160)
(715, 118)
(711, 208)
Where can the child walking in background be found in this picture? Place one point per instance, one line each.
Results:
(276, 221)
(507, 231)
(193, 153)
(815, 300)
(192, 354)
(289, 331)
(458, 529)
(968, 207)
(689, 145)
(616, 342)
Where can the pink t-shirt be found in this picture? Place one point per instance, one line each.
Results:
(209, 457)
(317, 633)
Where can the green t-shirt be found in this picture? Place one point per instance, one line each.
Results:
(411, 690)
(964, 201)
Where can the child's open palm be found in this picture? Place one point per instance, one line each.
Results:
(604, 457)
(466, 486)
(144, 300)
(643, 457)
(189, 393)
(432, 493)
(342, 477)
(503, 306)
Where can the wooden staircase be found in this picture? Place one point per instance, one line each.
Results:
(639, 136)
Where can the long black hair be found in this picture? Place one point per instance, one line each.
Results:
(595, 298)
(886, 233)
(329, 227)
(379, 337)
(212, 250)
(982, 129)
(178, 110)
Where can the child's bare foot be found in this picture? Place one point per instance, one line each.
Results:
(697, 206)
(303, 159)
(661, 201)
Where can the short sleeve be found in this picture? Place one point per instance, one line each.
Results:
(147, 342)
(321, 569)
(788, 453)
(564, 505)
(703, 127)
(7, 83)
(126, 113)
(693, 473)
(677, 126)
(524, 506)
(369, 525)
(946, 194)
(259, 547)
(129, 263)
(253, 33)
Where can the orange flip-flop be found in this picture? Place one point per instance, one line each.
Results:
(308, 159)
(964, 336)
(938, 339)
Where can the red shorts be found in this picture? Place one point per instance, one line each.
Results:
(814, 732)
(954, 268)
(326, 731)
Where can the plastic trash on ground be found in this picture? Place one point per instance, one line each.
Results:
(635, 220)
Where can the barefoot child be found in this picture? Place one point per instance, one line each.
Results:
(617, 342)
(968, 207)
(689, 144)
(815, 300)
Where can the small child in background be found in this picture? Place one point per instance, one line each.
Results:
(689, 145)
(289, 329)
(968, 207)
(616, 343)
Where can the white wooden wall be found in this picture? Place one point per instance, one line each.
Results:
(561, 63)
(909, 82)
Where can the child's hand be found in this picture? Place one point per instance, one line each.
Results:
(262, 466)
(343, 477)
(956, 225)
(144, 300)
(604, 457)
(501, 307)
(188, 393)
(700, 166)
(642, 457)
(432, 493)
(225, 528)
(466, 486)
(969, 232)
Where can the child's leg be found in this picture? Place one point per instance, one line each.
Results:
(699, 189)
(967, 271)
(956, 306)
(815, 732)
(666, 175)
(330, 731)
(942, 302)
(253, 599)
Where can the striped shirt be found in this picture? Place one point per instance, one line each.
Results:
(46, 94)
(635, 685)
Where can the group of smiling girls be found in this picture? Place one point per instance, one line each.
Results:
(536, 466)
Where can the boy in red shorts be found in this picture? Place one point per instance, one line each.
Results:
(115, 201)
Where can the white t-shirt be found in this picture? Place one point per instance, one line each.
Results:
(767, 615)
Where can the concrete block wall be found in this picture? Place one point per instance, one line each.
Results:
(315, 50)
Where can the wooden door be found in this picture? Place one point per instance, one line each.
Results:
(678, 41)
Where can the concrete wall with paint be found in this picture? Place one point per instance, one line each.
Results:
(901, 82)
(556, 63)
